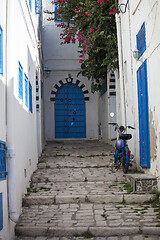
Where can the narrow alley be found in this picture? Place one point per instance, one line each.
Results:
(76, 194)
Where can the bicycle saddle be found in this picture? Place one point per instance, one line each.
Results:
(125, 136)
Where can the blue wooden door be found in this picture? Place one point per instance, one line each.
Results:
(70, 112)
(1, 212)
(143, 115)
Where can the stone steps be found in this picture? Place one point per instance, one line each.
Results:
(98, 219)
(75, 191)
(108, 198)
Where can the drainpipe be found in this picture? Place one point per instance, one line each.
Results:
(121, 67)
(10, 99)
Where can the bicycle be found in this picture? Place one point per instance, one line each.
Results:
(122, 154)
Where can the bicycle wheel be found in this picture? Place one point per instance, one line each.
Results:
(124, 165)
(118, 163)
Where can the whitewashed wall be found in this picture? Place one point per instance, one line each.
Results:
(61, 60)
(21, 43)
(4, 233)
(148, 12)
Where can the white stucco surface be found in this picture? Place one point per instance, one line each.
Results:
(141, 12)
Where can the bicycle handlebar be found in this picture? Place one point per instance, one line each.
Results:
(118, 127)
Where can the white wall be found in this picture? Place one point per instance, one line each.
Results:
(22, 45)
(61, 60)
(131, 23)
(4, 233)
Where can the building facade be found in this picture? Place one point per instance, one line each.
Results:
(138, 84)
(21, 105)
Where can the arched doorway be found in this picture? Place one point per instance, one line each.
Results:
(70, 112)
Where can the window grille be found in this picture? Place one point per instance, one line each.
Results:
(141, 40)
(1, 50)
(20, 76)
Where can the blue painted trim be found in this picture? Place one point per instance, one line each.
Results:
(20, 81)
(1, 211)
(3, 172)
(144, 135)
(1, 50)
(30, 4)
(38, 6)
(141, 40)
(26, 89)
(30, 98)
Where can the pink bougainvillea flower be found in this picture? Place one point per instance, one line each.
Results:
(73, 39)
(98, 28)
(67, 39)
(91, 30)
(88, 14)
(79, 8)
(75, 10)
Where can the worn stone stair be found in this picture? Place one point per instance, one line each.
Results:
(75, 190)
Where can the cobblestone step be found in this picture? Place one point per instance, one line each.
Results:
(132, 237)
(97, 219)
(112, 198)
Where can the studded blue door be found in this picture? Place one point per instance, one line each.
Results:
(143, 115)
(70, 112)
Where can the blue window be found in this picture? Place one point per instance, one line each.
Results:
(30, 4)
(38, 6)
(56, 14)
(3, 172)
(26, 89)
(20, 81)
(30, 98)
(141, 40)
(1, 50)
(1, 212)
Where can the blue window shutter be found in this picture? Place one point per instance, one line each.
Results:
(1, 212)
(26, 89)
(3, 172)
(20, 76)
(141, 40)
(30, 97)
(38, 6)
(30, 4)
(1, 50)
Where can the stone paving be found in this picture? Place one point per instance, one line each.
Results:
(76, 194)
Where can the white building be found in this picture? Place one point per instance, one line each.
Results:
(20, 105)
(61, 65)
(138, 98)
(86, 114)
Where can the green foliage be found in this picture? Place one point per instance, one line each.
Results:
(93, 24)
(128, 188)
